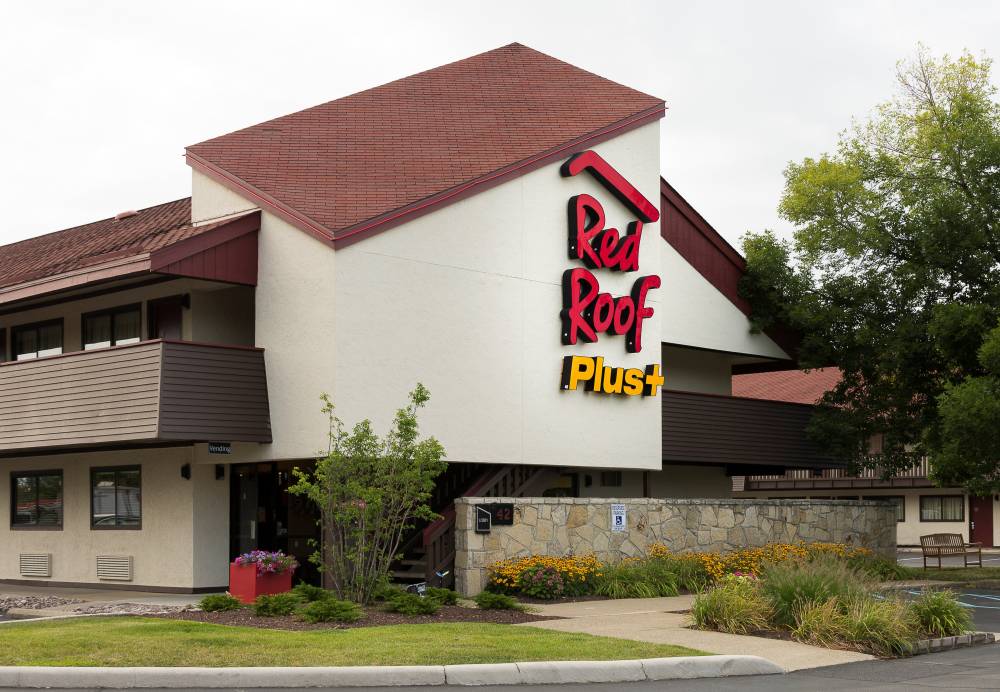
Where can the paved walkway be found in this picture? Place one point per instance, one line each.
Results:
(664, 621)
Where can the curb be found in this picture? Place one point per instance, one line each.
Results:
(537, 673)
(960, 641)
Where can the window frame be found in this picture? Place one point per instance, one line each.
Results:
(13, 500)
(94, 470)
(938, 497)
(14, 331)
(902, 503)
(113, 313)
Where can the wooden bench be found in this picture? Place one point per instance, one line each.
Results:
(944, 544)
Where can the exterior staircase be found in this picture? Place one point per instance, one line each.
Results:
(430, 549)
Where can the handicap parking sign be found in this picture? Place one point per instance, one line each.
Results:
(618, 523)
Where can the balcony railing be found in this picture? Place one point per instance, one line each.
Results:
(822, 479)
(145, 393)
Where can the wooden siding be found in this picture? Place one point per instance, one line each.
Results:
(213, 393)
(711, 429)
(143, 393)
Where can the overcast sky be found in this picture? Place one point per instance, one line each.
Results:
(100, 98)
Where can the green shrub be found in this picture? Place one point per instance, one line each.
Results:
(878, 567)
(488, 600)
(938, 613)
(734, 605)
(385, 592)
(636, 579)
(823, 624)
(219, 602)
(442, 596)
(412, 604)
(330, 610)
(276, 604)
(791, 585)
(542, 581)
(692, 576)
(883, 627)
(307, 593)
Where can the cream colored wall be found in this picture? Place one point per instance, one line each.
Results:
(693, 370)
(223, 316)
(172, 522)
(293, 306)
(211, 201)
(697, 314)
(690, 481)
(467, 301)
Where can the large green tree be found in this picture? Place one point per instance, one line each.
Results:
(893, 274)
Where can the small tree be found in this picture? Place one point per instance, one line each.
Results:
(369, 491)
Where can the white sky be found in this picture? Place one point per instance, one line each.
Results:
(100, 98)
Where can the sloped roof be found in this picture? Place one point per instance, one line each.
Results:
(797, 386)
(383, 155)
(98, 246)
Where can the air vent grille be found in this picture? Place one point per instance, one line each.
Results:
(36, 564)
(114, 567)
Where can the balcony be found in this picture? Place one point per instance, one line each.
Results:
(146, 393)
(837, 479)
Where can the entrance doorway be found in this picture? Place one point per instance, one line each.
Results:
(166, 317)
(981, 520)
(265, 516)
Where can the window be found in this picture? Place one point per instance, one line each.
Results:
(611, 479)
(897, 500)
(3, 345)
(942, 508)
(36, 500)
(115, 327)
(116, 498)
(37, 340)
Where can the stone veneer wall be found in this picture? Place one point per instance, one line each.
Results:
(563, 526)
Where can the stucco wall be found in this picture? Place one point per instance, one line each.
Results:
(698, 315)
(691, 370)
(183, 542)
(467, 300)
(563, 526)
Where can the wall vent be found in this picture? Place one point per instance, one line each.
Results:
(36, 564)
(114, 567)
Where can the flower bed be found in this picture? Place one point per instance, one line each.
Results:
(663, 572)
(827, 602)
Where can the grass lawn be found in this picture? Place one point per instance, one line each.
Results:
(128, 641)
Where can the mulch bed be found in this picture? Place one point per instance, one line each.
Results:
(373, 617)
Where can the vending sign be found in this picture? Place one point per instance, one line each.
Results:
(587, 311)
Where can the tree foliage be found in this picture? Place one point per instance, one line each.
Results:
(369, 491)
(892, 274)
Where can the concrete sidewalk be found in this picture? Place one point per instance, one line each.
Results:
(665, 620)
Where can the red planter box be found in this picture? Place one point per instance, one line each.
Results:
(246, 585)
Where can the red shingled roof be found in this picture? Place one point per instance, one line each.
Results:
(797, 386)
(82, 250)
(73, 248)
(383, 154)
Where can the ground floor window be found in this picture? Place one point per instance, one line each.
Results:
(898, 500)
(942, 508)
(116, 498)
(36, 499)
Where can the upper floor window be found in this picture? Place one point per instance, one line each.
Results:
(114, 327)
(36, 499)
(37, 340)
(3, 345)
(611, 479)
